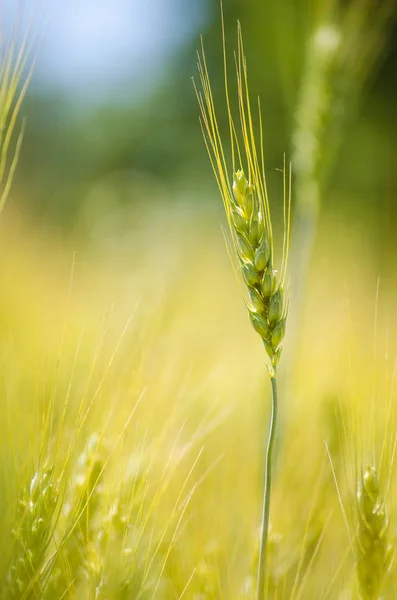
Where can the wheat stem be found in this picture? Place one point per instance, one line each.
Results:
(247, 210)
(266, 494)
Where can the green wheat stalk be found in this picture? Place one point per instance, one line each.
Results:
(246, 204)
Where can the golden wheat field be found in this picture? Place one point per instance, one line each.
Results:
(152, 357)
(135, 394)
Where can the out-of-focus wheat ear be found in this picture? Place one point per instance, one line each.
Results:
(16, 69)
(373, 549)
(78, 522)
(32, 534)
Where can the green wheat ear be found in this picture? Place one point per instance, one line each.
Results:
(244, 194)
(242, 185)
(373, 551)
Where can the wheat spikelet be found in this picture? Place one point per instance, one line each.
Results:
(251, 230)
(373, 552)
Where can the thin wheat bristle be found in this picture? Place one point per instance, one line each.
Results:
(374, 553)
(15, 75)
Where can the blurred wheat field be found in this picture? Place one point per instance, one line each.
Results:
(157, 348)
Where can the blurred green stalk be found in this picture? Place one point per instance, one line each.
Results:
(344, 50)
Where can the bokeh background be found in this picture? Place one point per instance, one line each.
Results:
(115, 222)
(112, 102)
